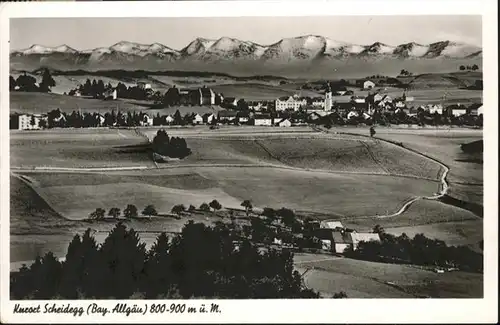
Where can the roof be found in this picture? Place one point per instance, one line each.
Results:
(342, 237)
(331, 224)
(227, 113)
(206, 92)
(283, 120)
(261, 116)
(366, 237)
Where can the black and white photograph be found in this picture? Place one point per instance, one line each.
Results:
(245, 157)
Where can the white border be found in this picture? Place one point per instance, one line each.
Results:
(282, 311)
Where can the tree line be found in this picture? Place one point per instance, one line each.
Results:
(200, 262)
(473, 67)
(418, 250)
(28, 83)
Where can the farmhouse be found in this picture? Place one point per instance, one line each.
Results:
(331, 224)
(352, 114)
(365, 84)
(197, 119)
(357, 237)
(227, 116)
(290, 103)
(31, 122)
(456, 110)
(243, 117)
(342, 241)
(263, 120)
(474, 109)
(284, 123)
(169, 119)
(231, 101)
(143, 85)
(438, 108)
(111, 94)
(146, 120)
(208, 118)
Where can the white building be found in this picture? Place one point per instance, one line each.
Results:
(31, 122)
(328, 100)
(198, 119)
(331, 224)
(290, 103)
(480, 110)
(208, 117)
(458, 111)
(435, 109)
(169, 119)
(284, 123)
(263, 121)
(368, 84)
(143, 85)
(146, 120)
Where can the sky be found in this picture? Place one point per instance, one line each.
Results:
(89, 33)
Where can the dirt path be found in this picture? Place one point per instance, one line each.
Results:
(444, 184)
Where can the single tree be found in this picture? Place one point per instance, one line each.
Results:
(462, 68)
(269, 213)
(474, 67)
(149, 210)
(47, 81)
(98, 214)
(204, 207)
(42, 124)
(130, 211)
(12, 83)
(378, 229)
(215, 205)
(247, 205)
(114, 212)
(372, 131)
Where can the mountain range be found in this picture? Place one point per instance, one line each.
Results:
(306, 50)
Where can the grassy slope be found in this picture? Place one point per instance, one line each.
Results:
(363, 279)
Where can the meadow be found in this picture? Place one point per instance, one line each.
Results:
(363, 279)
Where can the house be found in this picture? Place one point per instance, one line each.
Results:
(400, 104)
(77, 93)
(100, 119)
(146, 120)
(284, 123)
(169, 119)
(31, 122)
(206, 96)
(366, 84)
(243, 117)
(313, 116)
(474, 109)
(208, 118)
(352, 114)
(110, 94)
(357, 237)
(263, 120)
(316, 102)
(341, 242)
(359, 100)
(197, 119)
(457, 110)
(331, 224)
(435, 109)
(326, 245)
(290, 103)
(480, 110)
(227, 116)
(143, 85)
(231, 101)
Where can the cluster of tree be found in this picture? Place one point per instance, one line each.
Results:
(420, 251)
(95, 89)
(129, 212)
(28, 83)
(173, 147)
(405, 73)
(473, 67)
(200, 262)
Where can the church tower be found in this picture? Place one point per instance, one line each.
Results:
(328, 99)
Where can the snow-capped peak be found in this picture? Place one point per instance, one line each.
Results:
(40, 49)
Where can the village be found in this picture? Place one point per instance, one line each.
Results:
(376, 107)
